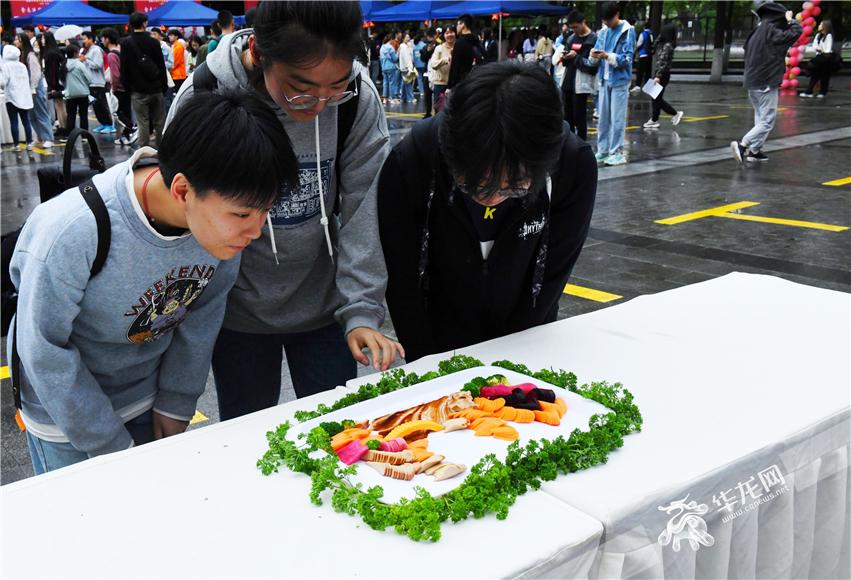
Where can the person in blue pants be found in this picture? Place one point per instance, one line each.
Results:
(614, 51)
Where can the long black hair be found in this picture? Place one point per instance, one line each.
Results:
(26, 47)
(305, 33)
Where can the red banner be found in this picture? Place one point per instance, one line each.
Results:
(249, 4)
(26, 7)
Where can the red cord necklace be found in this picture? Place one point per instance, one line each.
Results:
(145, 194)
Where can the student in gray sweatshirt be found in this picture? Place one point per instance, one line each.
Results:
(315, 287)
(121, 358)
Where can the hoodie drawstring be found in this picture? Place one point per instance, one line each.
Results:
(272, 237)
(324, 220)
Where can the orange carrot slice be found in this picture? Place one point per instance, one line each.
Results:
(524, 416)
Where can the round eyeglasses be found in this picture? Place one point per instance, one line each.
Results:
(301, 102)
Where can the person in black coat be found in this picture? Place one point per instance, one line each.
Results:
(143, 75)
(467, 52)
(580, 74)
(483, 210)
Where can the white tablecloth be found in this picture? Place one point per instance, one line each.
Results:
(196, 506)
(733, 376)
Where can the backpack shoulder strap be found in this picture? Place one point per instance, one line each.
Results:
(92, 197)
(95, 202)
(346, 114)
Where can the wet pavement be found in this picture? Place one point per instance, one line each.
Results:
(783, 219)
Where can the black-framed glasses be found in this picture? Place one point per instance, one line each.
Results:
(300, 102)
(509, 192)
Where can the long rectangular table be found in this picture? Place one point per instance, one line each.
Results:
(735, 377)
(743, 382)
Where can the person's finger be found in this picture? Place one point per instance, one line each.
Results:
(400, 349)
(388, 353)
(375, 352)
(357, 350)
(158, 428)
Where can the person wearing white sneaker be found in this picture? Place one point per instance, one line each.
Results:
(665, 46)
(765, 53)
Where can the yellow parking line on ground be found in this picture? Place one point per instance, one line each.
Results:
(590, 293)
(726, 211)
(4, 373)
(838, 182)
(715, 211)
(783, 222)
(696, 119)
(199, 417)
(41, 151)
(394, 114)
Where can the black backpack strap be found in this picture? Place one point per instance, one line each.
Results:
(346, 114)
(203, 78)
(93, 199)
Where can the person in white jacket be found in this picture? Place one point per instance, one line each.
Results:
(15, 81)
(409, 71)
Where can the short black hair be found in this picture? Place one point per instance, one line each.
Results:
(175, 32)
(467, 20)
(157, 30)
(305, 33)
(110, 34)
(503, 120)
(216, 28)
(225, 18)
(89, 34)
(193, 144)
(72, 50)
(575, 17)
(138, 20)
(28, 28)
(610, 9)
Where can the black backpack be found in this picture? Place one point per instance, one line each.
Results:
(53, 182)
(204, 80)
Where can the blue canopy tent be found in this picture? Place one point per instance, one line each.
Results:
(474, 8)
(411, 10)
(370, 7)
(175, 13)
(69, 12)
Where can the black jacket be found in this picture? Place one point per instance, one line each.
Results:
(766, 46)
(580, 62)
(466, 52)
(441, 293)
(134, 76)
(54, 70)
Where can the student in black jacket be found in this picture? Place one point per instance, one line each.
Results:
(580, 75)
(467, 52)
(144, 77)
(483, 210)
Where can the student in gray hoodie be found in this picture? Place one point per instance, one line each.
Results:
(315, 286)
(121, 358)
(765, 62)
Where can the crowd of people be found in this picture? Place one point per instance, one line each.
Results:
(119, 75)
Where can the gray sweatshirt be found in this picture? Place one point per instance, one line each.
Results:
(309, 290)
(94, 62)
(98, 352)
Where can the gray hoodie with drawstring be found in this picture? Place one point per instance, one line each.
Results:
(291, 283)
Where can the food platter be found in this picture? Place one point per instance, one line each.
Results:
(462, 446)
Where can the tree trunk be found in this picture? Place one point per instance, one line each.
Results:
(715, 74)
(656, 16)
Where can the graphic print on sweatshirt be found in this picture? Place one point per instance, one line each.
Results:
(297, 207)
(165, 304)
